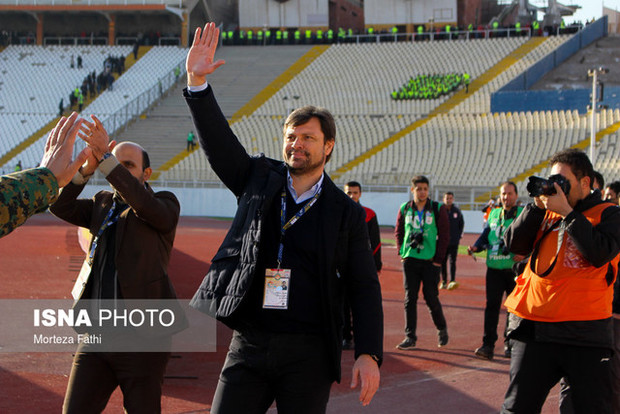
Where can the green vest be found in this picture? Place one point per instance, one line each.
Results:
(250, 33)
(518, 27)
(278, 35)
(420, 29)
(495, 25)
(285, 34)
(535, 25)
(230, 34)
(330, 34)
(448, 28)
(308, 34)
(426, 249)
(297, 35)
(259, 35)
(268, 34)
(497, 226)
(470, 27)
(223, 34)
(319, 34)
(394, 30)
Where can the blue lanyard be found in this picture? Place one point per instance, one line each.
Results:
(285, 226)
(107, 222)
(420, 215)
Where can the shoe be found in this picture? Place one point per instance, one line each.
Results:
(443, 337)
(406, 344)
(442, 285)
(453, 285)
(485, 352)
(347, 344)
(507, 351)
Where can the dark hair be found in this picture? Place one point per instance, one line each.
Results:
(598, 177)
(448, 193)
(615, 187)
(146, 161)
(419, 179)
(302, 115)
(353, 184)
(510, 183)
(578, 162)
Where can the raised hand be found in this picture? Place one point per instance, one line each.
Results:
(95, 135)
(199, 62)
(59, 150)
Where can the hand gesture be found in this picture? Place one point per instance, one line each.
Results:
(558, 203)
(59, 150)
(199, 62)
(95, 135)
(368, 371)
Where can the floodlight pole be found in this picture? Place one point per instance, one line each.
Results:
(594, 106)
(594, 74)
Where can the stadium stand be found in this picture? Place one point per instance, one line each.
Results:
(130, 95)
(469, 150)
(35, 78)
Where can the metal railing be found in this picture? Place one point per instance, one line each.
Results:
(121, 118)
(74, 41)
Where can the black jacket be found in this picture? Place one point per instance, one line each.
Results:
(598, 244)
(346, 260)
(457, 224)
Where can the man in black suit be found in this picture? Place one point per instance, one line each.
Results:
(292, 225)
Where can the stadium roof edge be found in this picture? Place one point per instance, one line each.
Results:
(94, 7)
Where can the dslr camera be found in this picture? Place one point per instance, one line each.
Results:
(416, 240)
(538, 186)
(502, 249)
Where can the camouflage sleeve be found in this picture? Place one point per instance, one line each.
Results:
(23, 194)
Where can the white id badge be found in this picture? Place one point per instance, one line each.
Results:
(82, 278)
(277, 284)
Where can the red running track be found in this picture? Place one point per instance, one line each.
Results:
(41, 260)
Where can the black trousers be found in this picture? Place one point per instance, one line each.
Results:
(535, 368)
(95, 375)
(498, 282)
(451, 254)
(425, 273)
(292, 369)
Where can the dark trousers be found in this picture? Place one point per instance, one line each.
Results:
(95, 375)
(535, 368)
(421, 272)
(498, 282)
(451, 254)
(615, 363)
(292, 369)
(566, 402)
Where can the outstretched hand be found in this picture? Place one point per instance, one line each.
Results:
(59, 150)
(199, 62)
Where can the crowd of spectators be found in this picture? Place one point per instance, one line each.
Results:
(430, 86)
(93, 84)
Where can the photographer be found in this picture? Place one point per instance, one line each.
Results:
(500, 277)
(422, 236)
(561, 308)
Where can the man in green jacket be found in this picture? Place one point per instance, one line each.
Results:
(500, 278)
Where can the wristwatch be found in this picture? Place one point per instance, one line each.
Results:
(105, 157)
